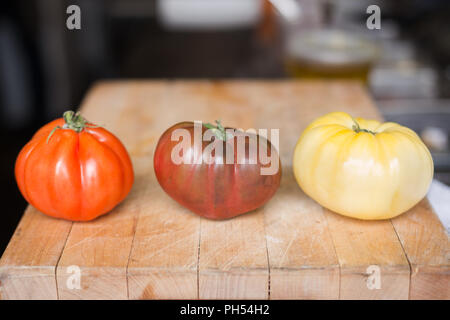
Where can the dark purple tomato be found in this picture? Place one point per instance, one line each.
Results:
(228, 183)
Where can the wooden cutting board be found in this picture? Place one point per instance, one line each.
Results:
(149, 247)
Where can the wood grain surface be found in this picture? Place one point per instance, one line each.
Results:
(149, 247)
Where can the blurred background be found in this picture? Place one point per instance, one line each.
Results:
(45, 68)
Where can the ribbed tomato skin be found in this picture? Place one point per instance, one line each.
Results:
(374, 174)
(217, 190)
(74, 176)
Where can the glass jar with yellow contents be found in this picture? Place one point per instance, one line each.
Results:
(329, 54)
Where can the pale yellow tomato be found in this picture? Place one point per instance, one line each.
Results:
(362, 168)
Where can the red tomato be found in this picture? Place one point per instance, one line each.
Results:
(218, 190)
(74, 170)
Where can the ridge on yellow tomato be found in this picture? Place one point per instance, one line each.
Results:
(362, 168)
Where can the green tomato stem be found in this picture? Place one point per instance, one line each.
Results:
(358, 129)
(73, 121)
(219, 131)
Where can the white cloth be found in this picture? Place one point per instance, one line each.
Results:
(439, 197)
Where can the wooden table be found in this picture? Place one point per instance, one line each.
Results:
(149, 247)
